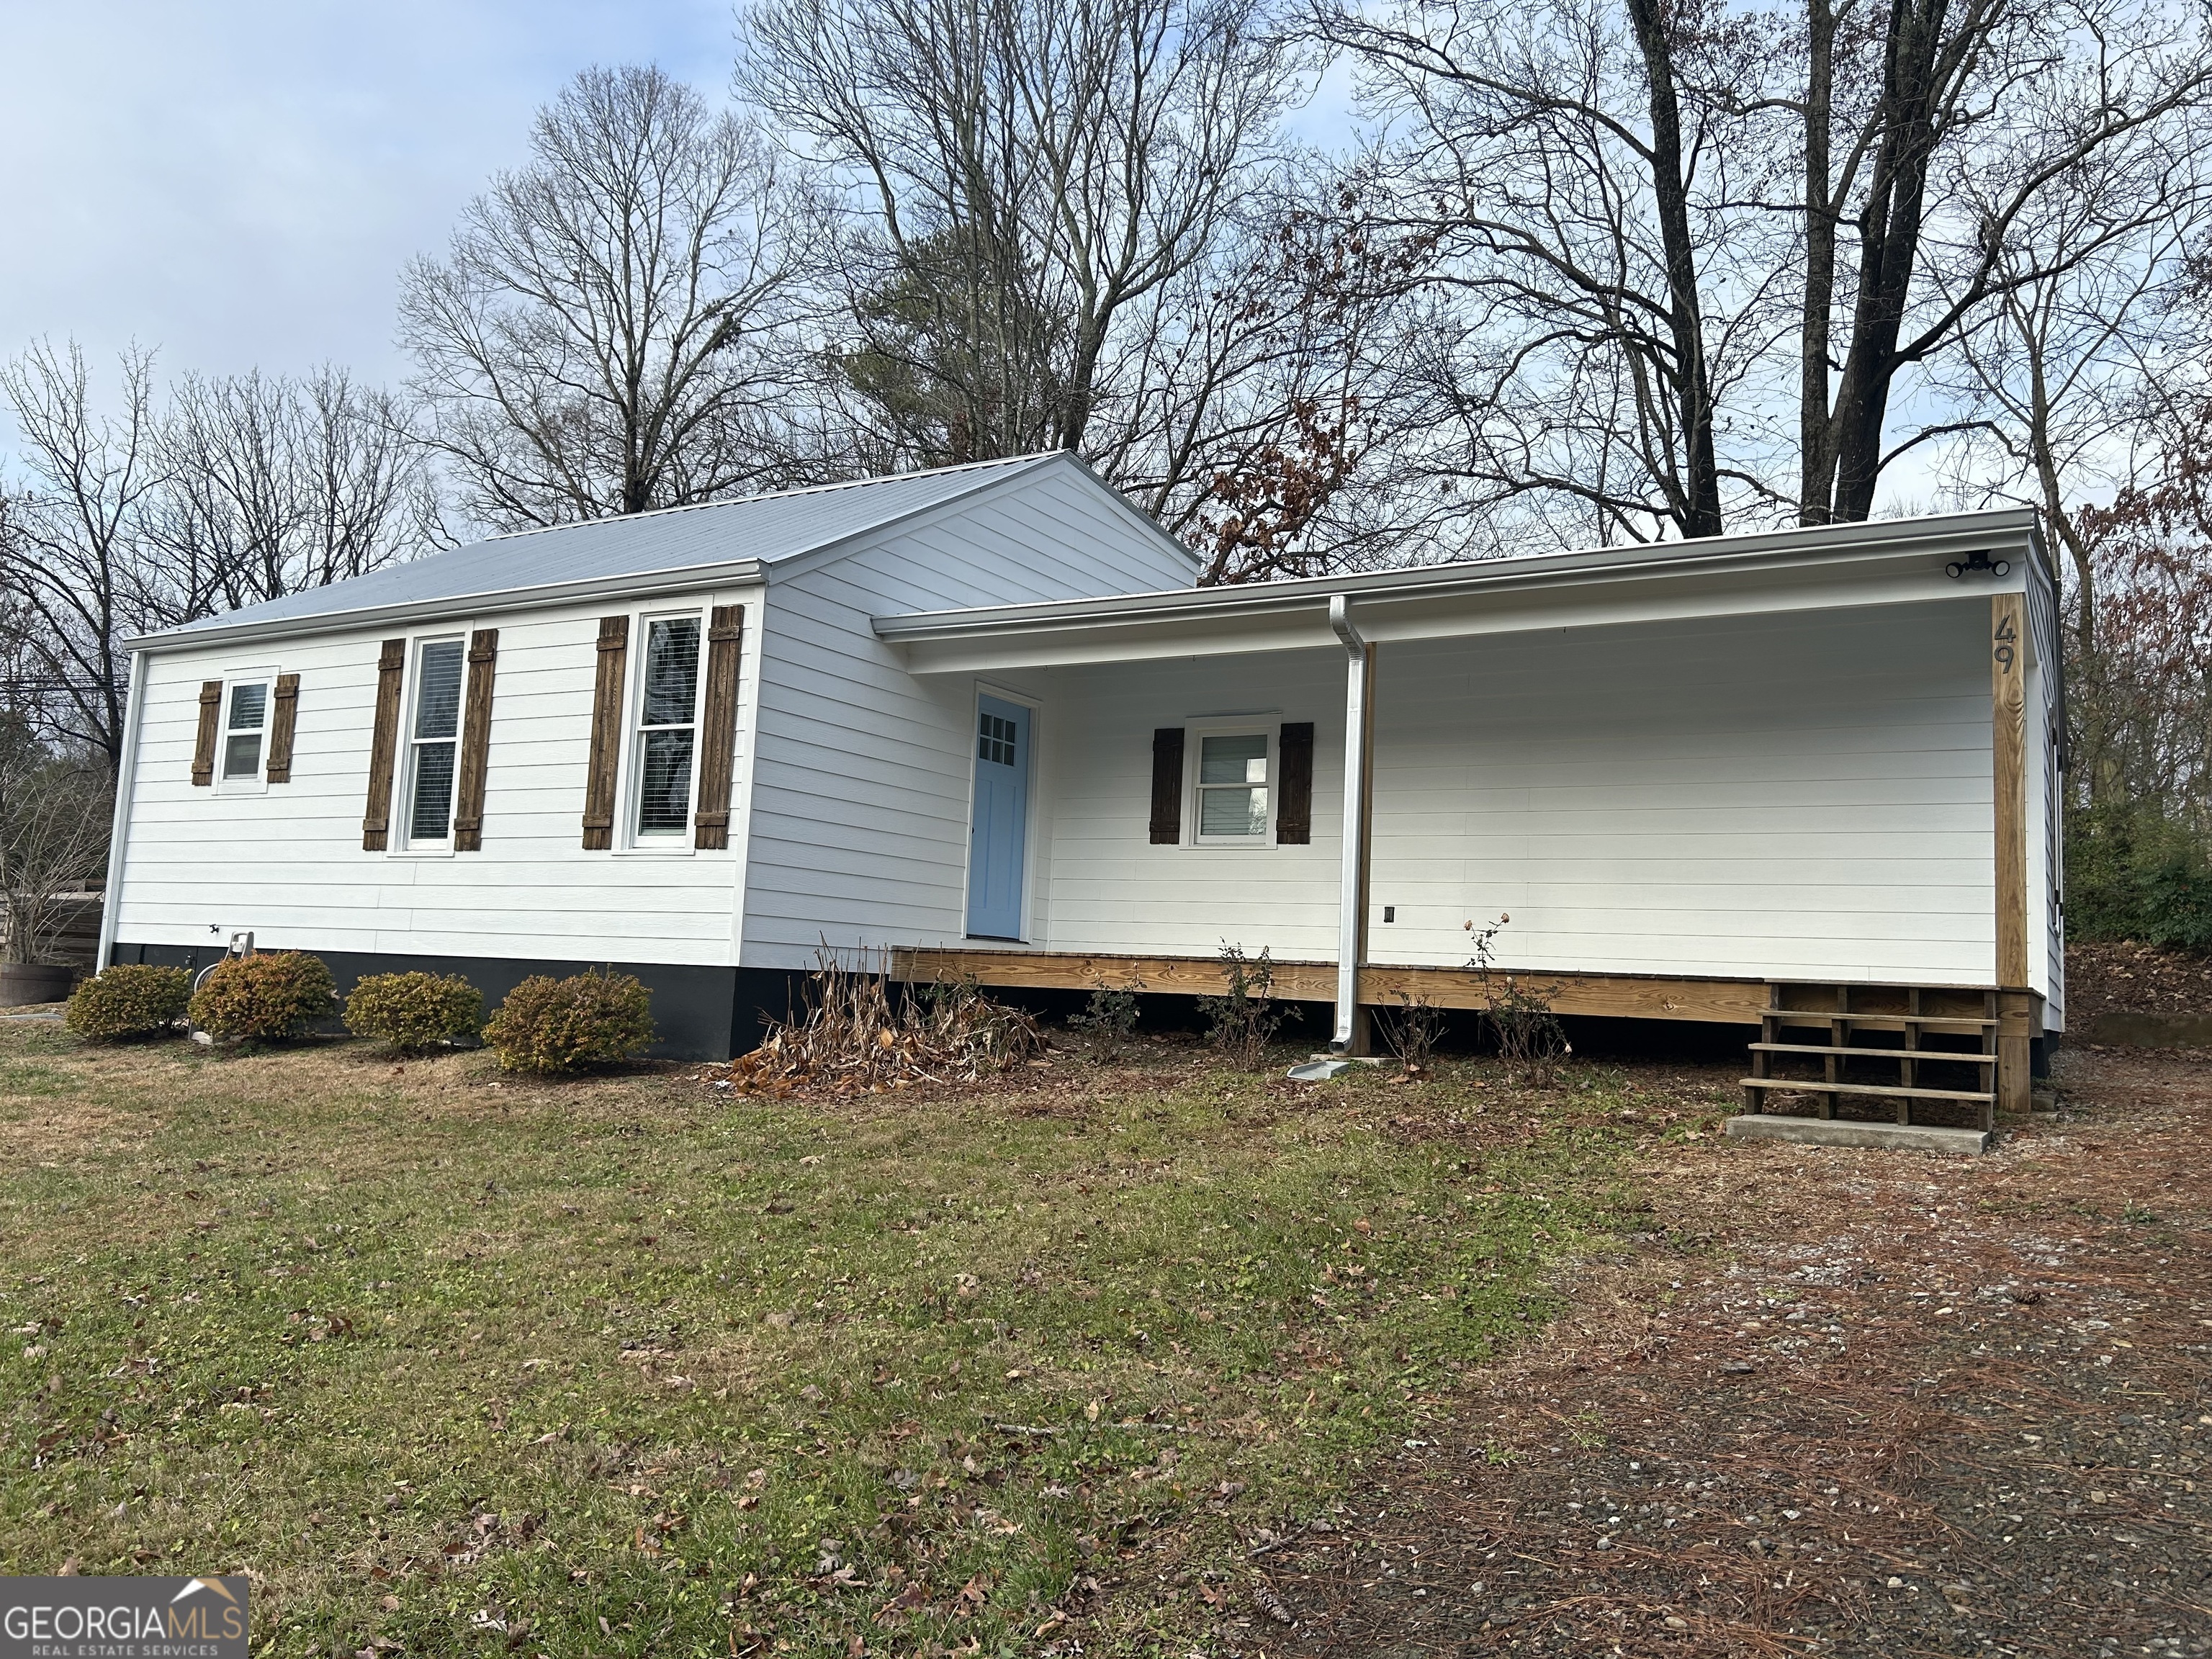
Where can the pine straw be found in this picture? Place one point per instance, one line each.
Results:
(2105, 978)
(861, 1035)
(1973, 1437)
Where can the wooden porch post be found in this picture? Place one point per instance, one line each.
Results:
(2008, 764)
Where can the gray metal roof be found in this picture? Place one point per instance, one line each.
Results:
(768, 529)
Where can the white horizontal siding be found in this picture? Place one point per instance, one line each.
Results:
(1807, 796)
(859, 826)
(1796, 796)
(288, 863)
(1111, 888)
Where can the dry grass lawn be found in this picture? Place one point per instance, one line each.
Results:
(451, 1363)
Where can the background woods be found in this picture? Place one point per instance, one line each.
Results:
(1321, 287)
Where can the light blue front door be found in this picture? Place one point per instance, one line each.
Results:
(1000, 824)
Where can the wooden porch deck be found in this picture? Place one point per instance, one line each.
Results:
(1619, 996)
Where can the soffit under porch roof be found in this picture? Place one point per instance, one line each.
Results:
(1829, 566)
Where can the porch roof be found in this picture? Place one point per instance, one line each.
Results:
(1898, 561)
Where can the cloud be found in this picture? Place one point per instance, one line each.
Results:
(239, 184)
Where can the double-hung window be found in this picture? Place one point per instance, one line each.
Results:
(1231, 784)
(432, 743)
(245, 731)
(666, 741)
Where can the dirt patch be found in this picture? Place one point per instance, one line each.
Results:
(1843, 1402)
(2134, 979)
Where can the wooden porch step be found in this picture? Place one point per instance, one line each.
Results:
(1961, 1056)
(1890, 1021)
(1888, 1091)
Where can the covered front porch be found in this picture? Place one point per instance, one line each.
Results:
(1713, 782)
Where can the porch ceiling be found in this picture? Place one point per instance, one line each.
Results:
(1892, 562)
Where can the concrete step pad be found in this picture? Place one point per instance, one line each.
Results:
(1838, 1132)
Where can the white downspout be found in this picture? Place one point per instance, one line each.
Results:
(1349, 898)
(127, 773)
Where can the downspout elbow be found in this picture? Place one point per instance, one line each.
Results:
(1340, 624)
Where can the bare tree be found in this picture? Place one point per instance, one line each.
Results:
(1936, 134)
(1576, 174)
(610, 329)
(55, 805)
(1048, 210)
(2074, 387)
(235, 490)
(75, 561)
(275, 485)
(1269, 391)
(1649, 227)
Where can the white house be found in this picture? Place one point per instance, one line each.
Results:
(979, 718)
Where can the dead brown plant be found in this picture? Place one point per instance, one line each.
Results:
(859, 1031)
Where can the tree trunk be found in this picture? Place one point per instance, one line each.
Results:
(1698, 494)
(1815, 429)
(1889, 227)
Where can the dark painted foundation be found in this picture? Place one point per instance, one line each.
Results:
(1463, 1030)
(702, 1013)
(712, 1013)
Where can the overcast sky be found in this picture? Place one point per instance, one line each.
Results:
(238, 183)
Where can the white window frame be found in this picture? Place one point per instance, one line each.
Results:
(257, 781)
(404, 840)
(1194, 735)
(676, 843)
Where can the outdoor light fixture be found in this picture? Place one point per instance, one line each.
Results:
(1973, 561)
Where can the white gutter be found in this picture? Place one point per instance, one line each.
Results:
(1924, 545)
(1351, 895)
(118, 835)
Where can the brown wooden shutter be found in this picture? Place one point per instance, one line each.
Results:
(718, 727)
(281, 721)
(376, 823)
(1167, 786)
(1294, 808)
(606, 734)
(475, 742)
(203, 741)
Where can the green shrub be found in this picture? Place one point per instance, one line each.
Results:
(133, 999)
(2133, 874)
(554, 1025)
(266, 998)
(415, 1010)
